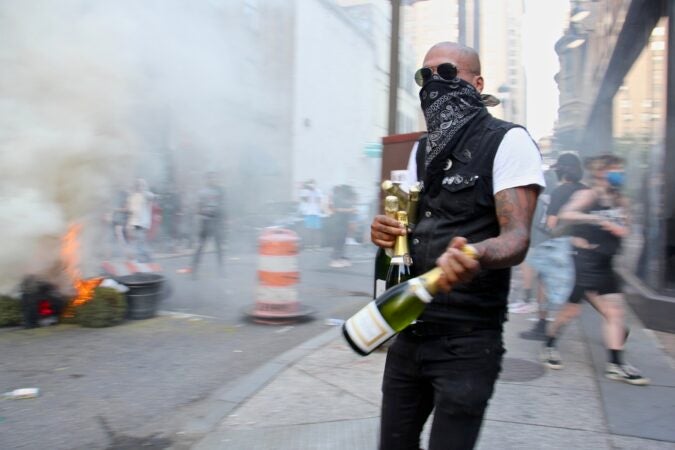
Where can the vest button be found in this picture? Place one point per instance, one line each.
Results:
(427, 214)
(415, 241)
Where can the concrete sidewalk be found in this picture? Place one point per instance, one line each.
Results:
(329, 398)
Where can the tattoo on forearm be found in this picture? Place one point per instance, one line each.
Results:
(514, 209)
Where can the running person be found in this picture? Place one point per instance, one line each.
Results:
(599, 216)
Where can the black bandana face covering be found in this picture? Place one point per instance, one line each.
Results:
(447, 107)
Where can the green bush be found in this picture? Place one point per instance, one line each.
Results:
(10, 311)
(106, 308)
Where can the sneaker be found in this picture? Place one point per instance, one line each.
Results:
(345, 262)
(515, 305)
(625, 372)
(551, 358)
(523, 308)
(337, 264)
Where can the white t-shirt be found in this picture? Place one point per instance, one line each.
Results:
(517, 162)
(139, 205)
(310, 202)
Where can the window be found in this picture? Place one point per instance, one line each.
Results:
(659, 31)
(658, 45)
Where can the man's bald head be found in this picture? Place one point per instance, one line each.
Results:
(464, 58)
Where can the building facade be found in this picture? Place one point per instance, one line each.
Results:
(492, 28)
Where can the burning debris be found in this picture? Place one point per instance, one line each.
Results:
(41, 303)
(44, 302)
(70, 256)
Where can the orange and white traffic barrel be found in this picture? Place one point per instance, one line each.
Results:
(276, 299)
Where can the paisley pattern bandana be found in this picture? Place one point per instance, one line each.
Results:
(447, 107)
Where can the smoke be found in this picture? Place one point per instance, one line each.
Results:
(93, 94)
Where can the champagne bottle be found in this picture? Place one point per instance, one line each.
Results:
(414, 198)
(392, 188)
(382, 259)
(399, 269)
(393, 311)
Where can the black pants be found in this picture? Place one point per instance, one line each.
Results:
(210, 228)
(453, 374)
(340, 230)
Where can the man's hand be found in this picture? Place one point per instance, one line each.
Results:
(456, 265)
(383, 231)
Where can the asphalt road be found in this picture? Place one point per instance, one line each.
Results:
(134, 385)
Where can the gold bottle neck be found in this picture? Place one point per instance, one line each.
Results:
(401, 247)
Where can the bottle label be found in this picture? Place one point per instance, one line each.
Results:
(419, 290)
(368, 329)
(380, 287)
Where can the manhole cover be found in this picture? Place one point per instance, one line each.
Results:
(514, 369)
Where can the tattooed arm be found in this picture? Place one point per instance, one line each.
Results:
(514, 208)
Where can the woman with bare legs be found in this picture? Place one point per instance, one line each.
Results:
(599, 219)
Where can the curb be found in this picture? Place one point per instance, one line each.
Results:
(231, 396)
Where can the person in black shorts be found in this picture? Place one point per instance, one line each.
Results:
(599, 222)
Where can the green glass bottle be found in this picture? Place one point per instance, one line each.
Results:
(393, 311)
(399, 268)
(382, 258)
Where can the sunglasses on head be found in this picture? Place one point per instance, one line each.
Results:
(446, 71)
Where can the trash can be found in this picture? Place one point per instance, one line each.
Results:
(145, 292)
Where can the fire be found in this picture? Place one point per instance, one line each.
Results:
(70, 255)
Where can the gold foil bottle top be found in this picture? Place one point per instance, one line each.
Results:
(402, 217)
(470, 251)
(401, 245)
(430, 278)
(414, 192)
(391, 206)
(387, 185)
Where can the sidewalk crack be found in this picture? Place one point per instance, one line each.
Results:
(309, 374)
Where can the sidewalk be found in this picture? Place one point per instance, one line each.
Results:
(324, 396)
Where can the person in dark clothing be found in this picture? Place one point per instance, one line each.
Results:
(481, 177)
(342, 204)
(599, 216)
(551, 257)
(211, 213)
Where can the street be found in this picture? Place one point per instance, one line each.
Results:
(137, 384)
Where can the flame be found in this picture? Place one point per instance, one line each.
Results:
(70, 255)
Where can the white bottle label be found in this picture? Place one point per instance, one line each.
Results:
(368, 329)
(420, 291)
(380, 287)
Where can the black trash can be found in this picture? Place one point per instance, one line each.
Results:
(145, 292)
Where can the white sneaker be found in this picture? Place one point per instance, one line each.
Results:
(523, 308)
(625, 373)
(337, 264)
(551, 358)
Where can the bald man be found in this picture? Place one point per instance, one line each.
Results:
(481, 177)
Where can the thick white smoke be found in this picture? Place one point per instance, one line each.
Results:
(88, 90)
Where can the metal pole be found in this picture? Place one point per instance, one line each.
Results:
(393, 65)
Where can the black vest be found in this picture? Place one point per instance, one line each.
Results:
(464, 207)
